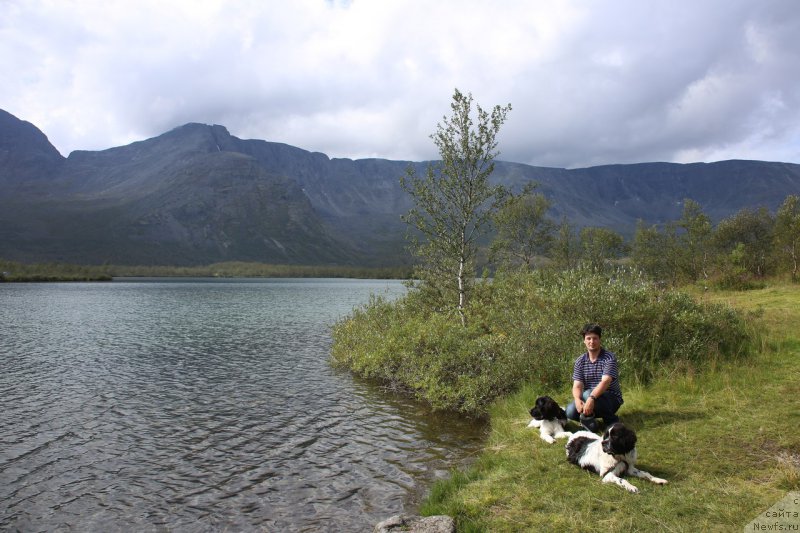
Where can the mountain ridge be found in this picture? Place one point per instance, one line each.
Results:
(197, 194)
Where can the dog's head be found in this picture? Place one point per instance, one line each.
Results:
(618, 439)
(547, 408)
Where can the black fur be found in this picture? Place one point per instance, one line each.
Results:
(576, 448)
(547, 408)
(619, 441)
(612, 456)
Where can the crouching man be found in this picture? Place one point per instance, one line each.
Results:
(595, 383)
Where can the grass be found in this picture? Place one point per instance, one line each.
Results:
(726, 438)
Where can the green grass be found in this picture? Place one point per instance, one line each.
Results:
(726, 438)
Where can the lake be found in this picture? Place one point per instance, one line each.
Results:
(203, 405)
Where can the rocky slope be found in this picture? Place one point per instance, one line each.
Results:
(197, 195)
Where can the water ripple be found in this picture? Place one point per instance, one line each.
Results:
(198, 406)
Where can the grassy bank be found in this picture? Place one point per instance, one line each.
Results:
(524, 326)
(727, 438)
(13, 271)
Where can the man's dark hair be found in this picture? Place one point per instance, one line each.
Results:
(592, 328)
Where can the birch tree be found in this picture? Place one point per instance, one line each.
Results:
(744, 240)
(524, 231)
(695, 241)
(454, 201)
(600, 245)
(787, 232)
(566, 249)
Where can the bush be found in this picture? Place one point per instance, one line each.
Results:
(524, 327)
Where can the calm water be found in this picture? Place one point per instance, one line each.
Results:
(202, 405)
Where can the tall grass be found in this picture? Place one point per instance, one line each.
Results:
(523, 328)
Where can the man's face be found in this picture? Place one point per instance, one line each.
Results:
(592, 341)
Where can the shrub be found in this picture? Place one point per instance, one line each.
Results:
(524, 327)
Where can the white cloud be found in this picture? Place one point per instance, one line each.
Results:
(590, 82)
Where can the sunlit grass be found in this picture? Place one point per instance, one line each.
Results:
(726, 438)
(777, 302)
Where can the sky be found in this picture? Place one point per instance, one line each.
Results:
(590, 82)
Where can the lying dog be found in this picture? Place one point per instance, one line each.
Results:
(611, 458)
(550, 418)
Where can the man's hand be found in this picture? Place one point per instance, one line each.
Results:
(579, 405)
(588, 407)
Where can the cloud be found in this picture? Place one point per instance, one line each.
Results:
(590, 82)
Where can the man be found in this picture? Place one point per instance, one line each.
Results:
(595, 383)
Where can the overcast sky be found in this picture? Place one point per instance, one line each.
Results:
(590, 82)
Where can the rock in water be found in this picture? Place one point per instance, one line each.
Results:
(417, 524)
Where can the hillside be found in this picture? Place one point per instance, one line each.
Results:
(197, 195)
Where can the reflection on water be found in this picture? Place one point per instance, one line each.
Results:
(202, 405)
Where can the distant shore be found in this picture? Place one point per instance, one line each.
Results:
(11, 271)
(36, 278)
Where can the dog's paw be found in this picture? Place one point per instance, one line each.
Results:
(659, 481)
(534, 423)
(548, 439)
(625, 485)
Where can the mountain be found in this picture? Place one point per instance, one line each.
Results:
(616, 196)
(197, 195)
(175, 199)
(26, 155)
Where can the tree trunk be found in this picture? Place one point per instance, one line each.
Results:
(462, 294)
(462, 288)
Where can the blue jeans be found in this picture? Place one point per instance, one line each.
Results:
(605, 407)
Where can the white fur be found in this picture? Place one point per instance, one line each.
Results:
(549, 430)
(611, 467)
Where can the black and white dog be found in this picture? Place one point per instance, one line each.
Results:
(550, 418)
(611, 456)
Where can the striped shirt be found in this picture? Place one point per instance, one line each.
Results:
(590, 374)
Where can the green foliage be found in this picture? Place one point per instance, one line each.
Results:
(655, 252)
(524, 230)
(565, 252)
(693, 244)
(787, 234)
(744, 242)
(16, 272)
(454, 202)
(523, 327)
(738, 253)
(721, 475)
(600, 246)
(733, 274)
